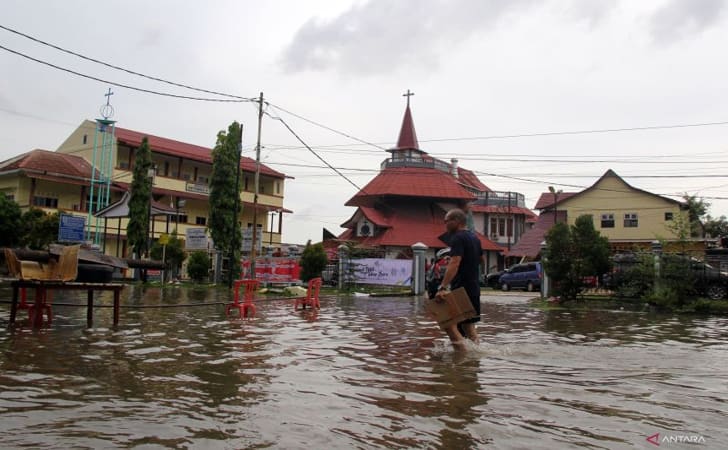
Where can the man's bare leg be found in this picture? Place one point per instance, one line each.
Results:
(456, 338)
(470, 332)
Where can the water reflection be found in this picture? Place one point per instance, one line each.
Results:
(361, 372)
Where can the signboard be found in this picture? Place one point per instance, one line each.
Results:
(70, 228)
(248, 240)
(390, 272)
(164, 239)
(274, 270)
(195, 239)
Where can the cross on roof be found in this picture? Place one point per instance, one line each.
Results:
(408, 95)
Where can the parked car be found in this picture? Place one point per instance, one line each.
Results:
(708, 280)
(492, 279)
(523, 276)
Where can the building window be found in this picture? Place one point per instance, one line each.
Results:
(85, 139)
(202, 180)
(45, 202)
(501, 227)
(200, 220)
(510, 227)
(630, 220)
(262, 189)
(182, 218)
(608, 220)
(668, 216)
(246, 183)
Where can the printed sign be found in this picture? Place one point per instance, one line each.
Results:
(391, 272)
(70, 228)
(273, 270)
(195, 239)
(248, 240)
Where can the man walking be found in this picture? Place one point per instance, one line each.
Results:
(465, 256)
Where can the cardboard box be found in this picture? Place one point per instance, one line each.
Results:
(455, 308)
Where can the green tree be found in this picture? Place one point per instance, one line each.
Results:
(716, 227)
(313, 261)
(39, 229)
(573, 253)
(697, 209)
(141, 192)
(10, 221)
(174, 254)
(225, 196)
(198, 266)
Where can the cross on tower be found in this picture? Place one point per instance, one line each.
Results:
(109, 94)
(408, 95)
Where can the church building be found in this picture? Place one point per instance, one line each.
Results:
(406, 203)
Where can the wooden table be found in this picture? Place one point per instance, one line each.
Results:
(42, 286)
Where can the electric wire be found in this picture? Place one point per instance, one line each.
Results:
(312, 150)
(112, 66)
(121, 85)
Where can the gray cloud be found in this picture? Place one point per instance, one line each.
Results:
(383, 35)
(679, 19)
(591, 11)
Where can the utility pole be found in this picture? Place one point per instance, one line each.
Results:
(257, 189)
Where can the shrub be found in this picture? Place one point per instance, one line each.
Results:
(198, 266)
(313, 261)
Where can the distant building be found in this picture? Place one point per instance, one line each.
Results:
(629, 217)
(407, 200)
(60, 181)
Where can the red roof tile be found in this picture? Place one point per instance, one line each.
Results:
(185, 150)
(407, 135)
(546, 200)
(411, 182)
(468, 178)
(408, 224)
(49, 163)
(530, 243)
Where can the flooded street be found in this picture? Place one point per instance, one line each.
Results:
(360, 373)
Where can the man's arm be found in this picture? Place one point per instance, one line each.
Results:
(452, 269)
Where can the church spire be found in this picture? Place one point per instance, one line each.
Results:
(407, 135)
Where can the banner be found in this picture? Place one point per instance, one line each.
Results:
(391, 272)
(273, 270)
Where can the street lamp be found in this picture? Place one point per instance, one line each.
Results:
(270, 245)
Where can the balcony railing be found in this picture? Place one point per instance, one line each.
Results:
(428, 163)
(501, 198)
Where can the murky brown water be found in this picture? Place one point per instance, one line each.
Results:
(361, 373)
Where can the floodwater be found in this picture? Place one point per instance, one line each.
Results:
(360, 373)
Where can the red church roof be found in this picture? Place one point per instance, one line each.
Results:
(407, 135)
(407, 225)
(411, 182)
(188, 151)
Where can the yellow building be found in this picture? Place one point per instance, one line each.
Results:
(629, 217)
(61, 182)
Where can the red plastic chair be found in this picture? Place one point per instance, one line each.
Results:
(312, 295)
(247, 308)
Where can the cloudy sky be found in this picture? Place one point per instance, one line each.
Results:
(522, 92)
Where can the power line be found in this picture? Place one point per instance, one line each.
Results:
(324, 127)
(126, 86)
(312, 151)
(87, 58)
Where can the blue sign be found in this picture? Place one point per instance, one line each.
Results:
(70, 228)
